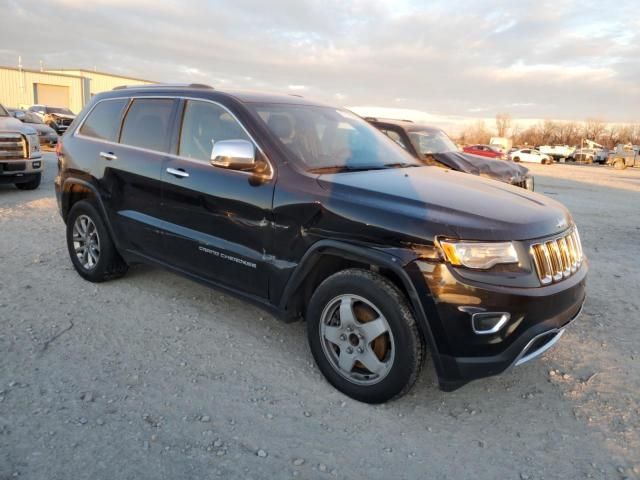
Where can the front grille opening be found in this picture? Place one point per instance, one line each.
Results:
(540, 342)
(558, 258)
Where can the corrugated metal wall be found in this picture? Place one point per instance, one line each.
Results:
(17, 87)
(102, 82)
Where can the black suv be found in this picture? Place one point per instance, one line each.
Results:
(313, 213)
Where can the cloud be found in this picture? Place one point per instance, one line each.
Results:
(544, 59)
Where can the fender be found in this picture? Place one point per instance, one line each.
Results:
(65, 197)
(370, 256)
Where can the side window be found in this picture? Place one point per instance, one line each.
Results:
(103, 122)
(147, 124)
(395, 136)
(204, 124)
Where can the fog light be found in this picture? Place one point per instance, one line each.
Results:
(37, 164)
(486, 323)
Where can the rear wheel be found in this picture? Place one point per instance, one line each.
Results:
(91, 249)
(516, 159)
(364, 337)
(31, 184)
(619, 164)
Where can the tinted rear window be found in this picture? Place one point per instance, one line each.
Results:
(147, 124)
(104, 120)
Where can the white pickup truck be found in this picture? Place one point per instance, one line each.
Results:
(21, 160)
(557, 152)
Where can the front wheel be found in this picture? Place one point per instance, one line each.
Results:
(364, 337)
(516, 159)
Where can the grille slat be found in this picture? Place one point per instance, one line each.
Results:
(12, 146)
(557, 258)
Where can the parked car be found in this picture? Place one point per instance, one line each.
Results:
(590, 155)
(47, 135)
(503, 144)
(530, 155)
(311, 212)
(20, 157)
(625, 155)
(432, 146)
(485, 151)
(58, 118)
(557, 152)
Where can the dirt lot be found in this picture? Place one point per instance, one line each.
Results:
(153, 376)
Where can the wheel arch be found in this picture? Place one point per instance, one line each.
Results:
(77, 189)
(327, 257)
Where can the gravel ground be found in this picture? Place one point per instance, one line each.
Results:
(153, 376)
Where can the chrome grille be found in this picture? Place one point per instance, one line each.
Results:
(557, 258)
(13, 146)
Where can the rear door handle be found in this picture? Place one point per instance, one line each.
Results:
(178, 172)
(108, 156)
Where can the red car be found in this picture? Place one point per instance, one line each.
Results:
(485, 151)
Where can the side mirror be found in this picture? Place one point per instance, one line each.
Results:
(19, 115)
(233, 154)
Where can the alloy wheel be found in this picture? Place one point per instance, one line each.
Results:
(356, 339)
(86, 242)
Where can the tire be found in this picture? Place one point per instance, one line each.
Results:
(619, 164)
(516, 159)
(31, 184)
(394, 348)
(98, 264)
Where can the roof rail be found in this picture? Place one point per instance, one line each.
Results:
(165, 85)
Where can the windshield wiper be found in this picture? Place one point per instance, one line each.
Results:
(400, 165)
(347, 168)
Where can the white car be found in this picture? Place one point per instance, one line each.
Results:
(529, 155)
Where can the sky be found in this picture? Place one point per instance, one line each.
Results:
(443, 62)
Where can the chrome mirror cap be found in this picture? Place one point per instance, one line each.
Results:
(233, 154)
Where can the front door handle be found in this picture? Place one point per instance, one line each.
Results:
(178, 172)
(108, 156)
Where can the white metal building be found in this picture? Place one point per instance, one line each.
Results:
(21, 87)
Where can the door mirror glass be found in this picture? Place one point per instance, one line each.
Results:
(233, 154)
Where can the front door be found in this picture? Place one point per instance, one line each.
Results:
(217, 221)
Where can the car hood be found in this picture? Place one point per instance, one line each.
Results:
(502, 170)
(10, 124)
(62, 115)
(42, 128)
(421, 203)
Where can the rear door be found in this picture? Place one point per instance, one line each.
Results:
(217, 221)
(130, 160)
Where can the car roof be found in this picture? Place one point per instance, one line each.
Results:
(407, 125)
(244, 96)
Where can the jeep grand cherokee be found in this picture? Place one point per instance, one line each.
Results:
(313, 213)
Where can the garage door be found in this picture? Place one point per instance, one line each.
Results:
(53, 95)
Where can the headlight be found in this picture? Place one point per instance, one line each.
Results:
(34, 143)
(479, 255)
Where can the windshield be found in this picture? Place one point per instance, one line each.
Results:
(3, 112)
(60, 110)
(329, 140)
(430, 142)
(31, 118)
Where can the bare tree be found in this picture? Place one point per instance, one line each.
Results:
(475, 133)
(594, 128)
(503, 122)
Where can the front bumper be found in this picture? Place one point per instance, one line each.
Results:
(537, 320)
(23, 169)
